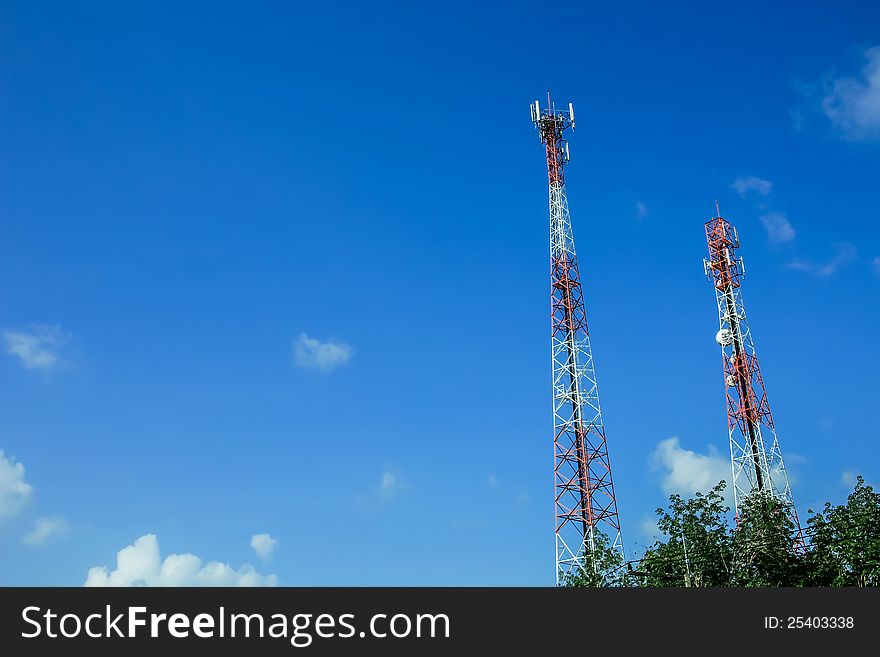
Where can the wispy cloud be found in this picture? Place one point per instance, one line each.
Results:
(776, 224)
(853, 103)
(844, 253)
(389, 481)
(745, 184)
(649, 527)
(641, 210)
(140, 564)
(875, 263)
(778, 227)
(848, 478)
(324, 356)
(686, 472)
(38, 347)
(46, 529)
(15, 491)
(390, 484)
(264, 545)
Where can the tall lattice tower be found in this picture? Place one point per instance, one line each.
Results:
(756, 459)
(585, 503)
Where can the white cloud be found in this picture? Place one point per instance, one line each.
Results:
(875, 263)
(46, 528)
(848, 478)
(15, 492)
(778, 227)
(38, 347)
(264, 545)
(389, 481)
(641, 210)
(686, 472)
(390, 484)
(778, 477)
(853, 103)
(745, 184)
(324, 356)
(140, 564)
(794, 463)
(649, 527)
(844, 253)
(493, 481)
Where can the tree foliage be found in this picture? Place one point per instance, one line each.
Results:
(764, 544)
(703, 545)
(605, 566)
(697, 546)
(845, 541)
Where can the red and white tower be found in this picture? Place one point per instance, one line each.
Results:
(755, 456)
(585, 503)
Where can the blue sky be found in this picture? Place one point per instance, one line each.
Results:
(282, 270)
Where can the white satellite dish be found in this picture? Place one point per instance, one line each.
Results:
(724, 337)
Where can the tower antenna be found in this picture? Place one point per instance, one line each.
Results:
(585, 504)
(755, 456)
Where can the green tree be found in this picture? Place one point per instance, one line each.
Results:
(605, 566)
(699, 548)
(696, 550)
(763, 544)
(845, 541)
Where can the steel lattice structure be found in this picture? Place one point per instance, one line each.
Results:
(756, 460)
(584, 492)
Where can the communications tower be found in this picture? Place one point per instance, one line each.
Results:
(585, 504)
(756, 459)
